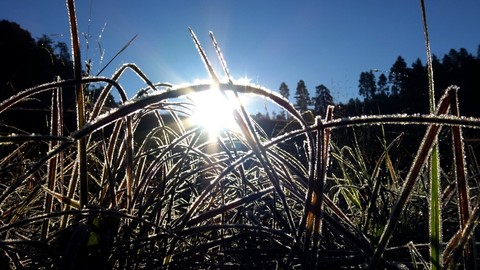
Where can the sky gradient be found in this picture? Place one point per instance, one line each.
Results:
(320, 42)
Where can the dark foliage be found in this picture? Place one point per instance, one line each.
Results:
(28, 63)
(405, 91)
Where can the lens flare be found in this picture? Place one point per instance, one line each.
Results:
(214, 112)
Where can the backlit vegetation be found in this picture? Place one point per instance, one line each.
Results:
(114, 195)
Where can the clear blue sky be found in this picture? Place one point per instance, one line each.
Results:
(322, 42)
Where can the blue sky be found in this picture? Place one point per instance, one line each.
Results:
(321, 42)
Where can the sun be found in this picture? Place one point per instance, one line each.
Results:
(214, 112)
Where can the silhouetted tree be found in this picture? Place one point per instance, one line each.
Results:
(322, 99)
(397, 76)
(352, 108)
(462, 69)
(409, 85)
(302, 97)
(414, 98)
(367, 86)
(284, 91)
(30, 63)
(16, 49)
(382, 86)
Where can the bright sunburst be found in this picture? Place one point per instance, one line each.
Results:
(214, 112)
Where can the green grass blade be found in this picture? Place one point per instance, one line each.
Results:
(435, 218)
(423, 152)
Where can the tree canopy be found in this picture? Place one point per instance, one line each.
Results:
(405, 89)
(302, 96)
(284, 91)
(30, 63)
(322, 99)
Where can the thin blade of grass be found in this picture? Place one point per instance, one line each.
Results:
(56, 126)
(453, 251)
(129, 162)
(435, 214)
(63, 199)
(227, 207)
(80, 102)
(107, 174)
(423, 153)
(315, 212)
(416, 255)
(254, 141)
(384, 158)
(117, 54)
(462, 186)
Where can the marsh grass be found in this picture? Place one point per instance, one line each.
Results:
(140, 187)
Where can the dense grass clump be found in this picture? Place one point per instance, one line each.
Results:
(141, 186)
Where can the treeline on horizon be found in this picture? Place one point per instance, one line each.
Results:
(402, 89)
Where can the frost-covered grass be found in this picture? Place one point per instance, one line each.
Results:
(171, 196)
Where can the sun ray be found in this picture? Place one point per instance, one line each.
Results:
(214, 112)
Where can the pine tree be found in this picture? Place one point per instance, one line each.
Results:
(322, 99)
(302, 97)
(382, 86)
(367, 86)
(397, 76)
(284, 91)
